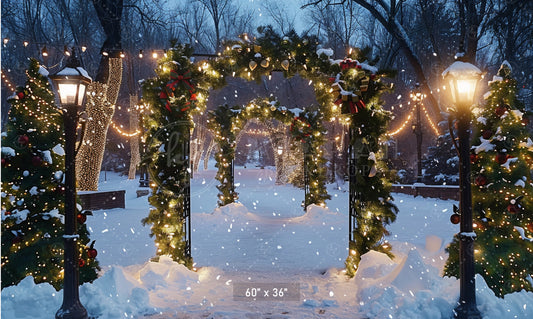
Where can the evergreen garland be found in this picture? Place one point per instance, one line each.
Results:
(172, 95)
(502, 188)
(33, 191)
(358, 88)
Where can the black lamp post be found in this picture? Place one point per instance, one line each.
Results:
(71, 83)
(417, 97)
(462, 78)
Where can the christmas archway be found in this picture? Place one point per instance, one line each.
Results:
(344, 88)
(305, 127)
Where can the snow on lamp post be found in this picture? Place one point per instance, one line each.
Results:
(71, 83)
(462, 78)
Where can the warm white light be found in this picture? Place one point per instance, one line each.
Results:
(462, 78)
(67, 93)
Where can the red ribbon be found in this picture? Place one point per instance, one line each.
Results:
(177, 78)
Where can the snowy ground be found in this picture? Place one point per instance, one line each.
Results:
(267, 239)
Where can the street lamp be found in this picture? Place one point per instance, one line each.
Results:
(71, 83)
(417, 97)
(463, 78)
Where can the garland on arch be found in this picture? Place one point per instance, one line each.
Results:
(344, 88)
(227, 121)
(357, 90)
(172, 96)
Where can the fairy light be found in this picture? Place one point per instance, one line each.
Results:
(100, 109)
(10, 86)
(119, 130)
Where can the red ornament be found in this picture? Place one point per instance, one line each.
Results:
(193, 97)
(23, 140)
(525, 121)
(500, 110)
(455, 219)
(20, 95)
(36, 161)
(91, 252)
(4, 162)
(372, 77)
(501, 158)
(473, 158)
(530, 227)
(82, 218)
(481, 180)
(60, 189)
(81, 262)
(331, 79)
(486, 134)
(513, 208)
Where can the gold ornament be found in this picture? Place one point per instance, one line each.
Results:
(373, 171)
(272, 108)
(285, 65)
(265, 63)
(252, 65)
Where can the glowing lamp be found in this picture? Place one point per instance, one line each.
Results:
(71, 83)
(462, 78)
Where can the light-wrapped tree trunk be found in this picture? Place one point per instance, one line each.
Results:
(135, 158)
(100, 108)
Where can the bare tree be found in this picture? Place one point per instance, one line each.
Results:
(217, 10)
(283, 20)
(336, 25)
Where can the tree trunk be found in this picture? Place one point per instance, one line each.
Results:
(135, 158)
(100, 108)
(103, 93)
(396, 30)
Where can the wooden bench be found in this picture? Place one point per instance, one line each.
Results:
(102, 200)
(432, 191)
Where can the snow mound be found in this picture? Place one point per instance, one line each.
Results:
(115, 295)
(16, 300)
(166, 272)
(410, 289)
(317, 214)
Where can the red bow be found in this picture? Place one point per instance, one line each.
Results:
(177, 78)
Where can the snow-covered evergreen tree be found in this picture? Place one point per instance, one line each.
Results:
(502, 188)
(33, 163)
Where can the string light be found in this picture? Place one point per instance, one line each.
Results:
(10, 86)
(410, 116)
(122, 133)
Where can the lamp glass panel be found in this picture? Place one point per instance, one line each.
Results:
(67, 92)
(465, 90)
(81, 94)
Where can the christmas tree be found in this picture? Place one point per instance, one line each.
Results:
(33, 191)
(442, 163)
(502, 188)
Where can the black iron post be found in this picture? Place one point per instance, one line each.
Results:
(467, 308)
(352, 166)
(419, 135)
(72, 307)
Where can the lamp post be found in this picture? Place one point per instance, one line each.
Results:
(417, 96)
(279, 172)
(462, 78)
(71, 83)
